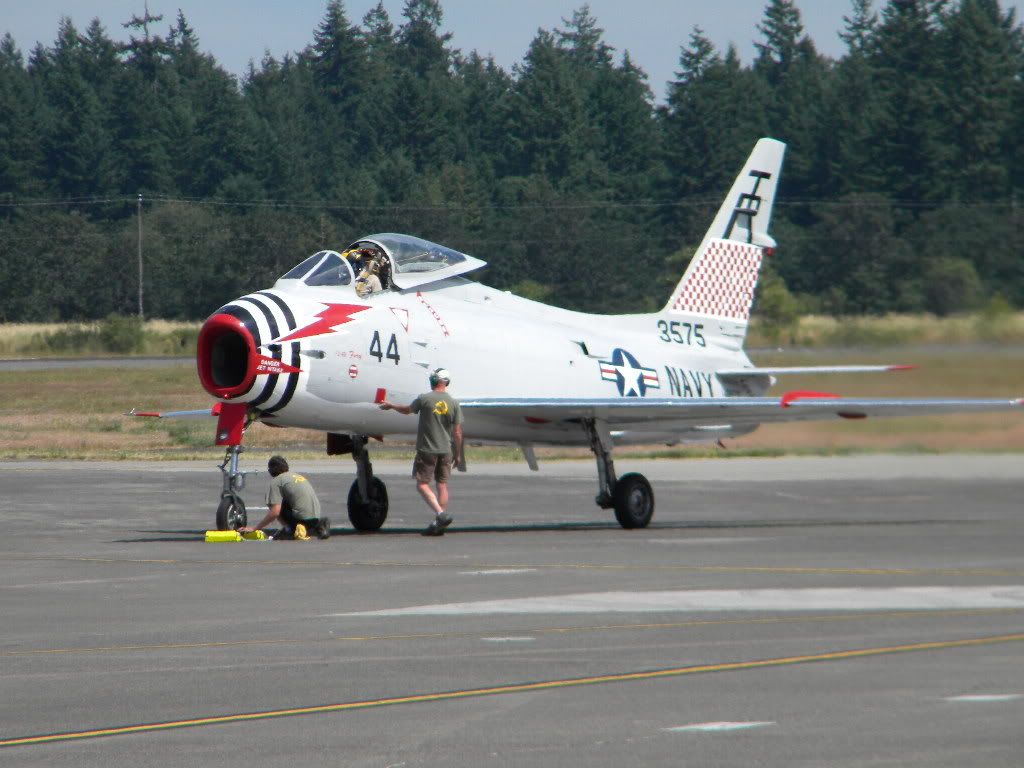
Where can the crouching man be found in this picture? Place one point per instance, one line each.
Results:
(292, 500)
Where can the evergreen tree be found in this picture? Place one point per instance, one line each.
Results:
(149, 115)
(618, 135)
(796, 77)
(483, 88)
(426, 118)
(714, 112)
(215, 157)
(853, 108)
(908, 145)
(547, 115)
(76, 144)
(278, 97)
(783, 32)
(339, 66)
(981, 74)
(19, 155)
(381, 44)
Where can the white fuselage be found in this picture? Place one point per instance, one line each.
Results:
(495, 344)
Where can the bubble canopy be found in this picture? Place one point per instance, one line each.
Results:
(416, 261)
(413, 261)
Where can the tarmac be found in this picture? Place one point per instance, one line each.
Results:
(857, 611)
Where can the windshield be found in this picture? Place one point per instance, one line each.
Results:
(332, 271)
(413, 254)
(297, 273)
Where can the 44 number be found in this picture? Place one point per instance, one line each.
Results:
(391, 353)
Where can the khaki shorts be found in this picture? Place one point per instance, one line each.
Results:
(427, 466)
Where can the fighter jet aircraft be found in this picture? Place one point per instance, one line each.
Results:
(345, 329)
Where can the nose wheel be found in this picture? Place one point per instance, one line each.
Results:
(231, 513)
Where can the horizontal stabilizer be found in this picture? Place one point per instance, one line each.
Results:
(810, 369)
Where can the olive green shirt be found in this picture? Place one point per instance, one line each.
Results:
(297, 492)
(439, 413)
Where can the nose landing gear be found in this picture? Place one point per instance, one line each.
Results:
(232, 421)
(231, 514)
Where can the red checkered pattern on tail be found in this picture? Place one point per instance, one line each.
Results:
(721, 281)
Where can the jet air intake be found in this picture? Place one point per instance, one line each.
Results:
(226, 356)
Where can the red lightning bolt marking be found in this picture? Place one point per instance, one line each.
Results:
(332, 315)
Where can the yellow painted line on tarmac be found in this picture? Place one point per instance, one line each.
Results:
(849, 571)
(695, 623)
(545, 685)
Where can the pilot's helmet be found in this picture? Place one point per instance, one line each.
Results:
(439, 375)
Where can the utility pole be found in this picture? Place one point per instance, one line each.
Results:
(139, 213)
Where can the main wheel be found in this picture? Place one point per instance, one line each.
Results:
(231, 514)
(633, 501)
(368, 515)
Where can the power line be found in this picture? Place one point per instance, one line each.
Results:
(321, 205)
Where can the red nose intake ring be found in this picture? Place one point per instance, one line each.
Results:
(226, 357)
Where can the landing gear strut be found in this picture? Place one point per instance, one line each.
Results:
(232, 421)
(631, 495)
(368, 496)
(231, 513)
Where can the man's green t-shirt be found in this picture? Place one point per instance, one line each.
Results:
(439, 413)
(297, 492)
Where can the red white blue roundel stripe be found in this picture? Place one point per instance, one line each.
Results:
(632, 379)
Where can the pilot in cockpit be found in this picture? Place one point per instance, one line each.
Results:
(369, 266)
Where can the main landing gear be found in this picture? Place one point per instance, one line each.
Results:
(631, 495)
(368, 496)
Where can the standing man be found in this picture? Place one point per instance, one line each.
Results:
(438, 443)
(291, 499)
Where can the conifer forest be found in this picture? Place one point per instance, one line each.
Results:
(579, 181)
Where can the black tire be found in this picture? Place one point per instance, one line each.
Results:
(231, 514)
(368, 516)
(633, 501)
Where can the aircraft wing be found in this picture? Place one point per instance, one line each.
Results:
(667, 415)
(200, 414)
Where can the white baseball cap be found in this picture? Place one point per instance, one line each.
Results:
(441, 374)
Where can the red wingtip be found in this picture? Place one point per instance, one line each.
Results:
(154, 414)
(902, 367)
(792, 397)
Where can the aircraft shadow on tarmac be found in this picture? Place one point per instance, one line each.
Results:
(170, 536)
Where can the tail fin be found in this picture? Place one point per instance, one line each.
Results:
(720, 280)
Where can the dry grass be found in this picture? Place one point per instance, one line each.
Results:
(893, 329)
(78, 413)
(965, 372)
(160, 337)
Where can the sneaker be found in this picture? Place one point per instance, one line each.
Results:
(283, 534)
(324, 528)
(300, 533)
(437, 527)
